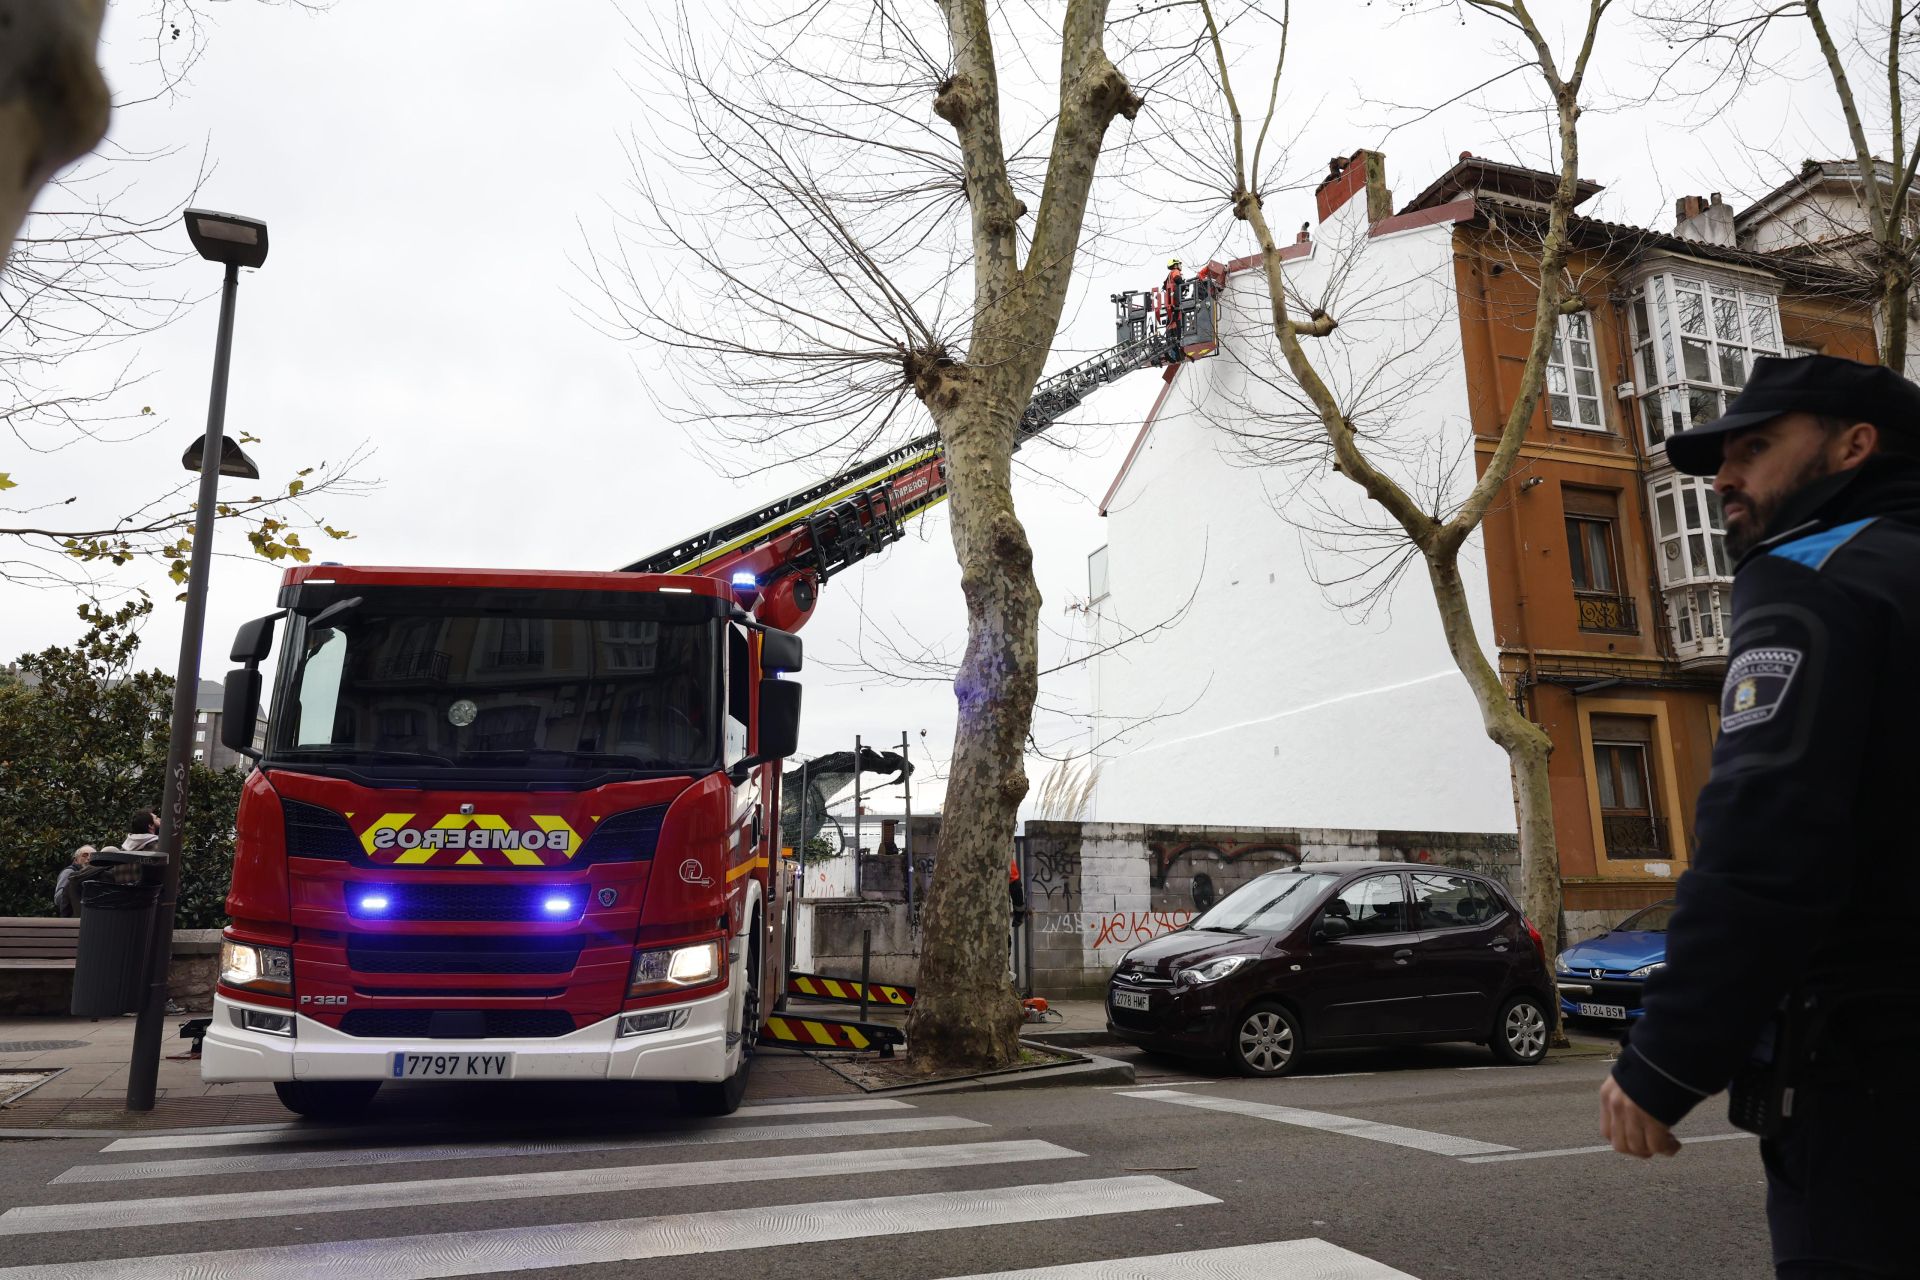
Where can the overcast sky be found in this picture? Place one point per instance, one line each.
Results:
(426, 168)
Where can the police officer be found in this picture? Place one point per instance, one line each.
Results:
(1788, 955)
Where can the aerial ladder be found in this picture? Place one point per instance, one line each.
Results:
(780, 554)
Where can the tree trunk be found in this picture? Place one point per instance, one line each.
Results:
(53, 101)
(965, 1014)
(1528, 749)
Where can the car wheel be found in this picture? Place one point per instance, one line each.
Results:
(326, 1099)
(1265, 1041)
(1520, 1033)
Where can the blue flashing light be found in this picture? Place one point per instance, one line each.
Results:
(557, 906)
(745, 578)
(375, 902)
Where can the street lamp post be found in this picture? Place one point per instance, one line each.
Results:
(235, 242)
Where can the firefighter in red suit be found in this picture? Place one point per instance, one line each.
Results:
(1169, 307)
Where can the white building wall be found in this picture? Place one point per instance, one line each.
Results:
(1266, 705)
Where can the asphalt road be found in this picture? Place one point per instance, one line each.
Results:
(1423, 1163)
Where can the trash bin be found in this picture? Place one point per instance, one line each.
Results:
(117, 901)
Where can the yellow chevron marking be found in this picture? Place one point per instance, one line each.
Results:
(467, 860)
(819, 1033)
(390, 822)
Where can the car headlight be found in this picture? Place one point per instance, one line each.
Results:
(1214, 970)
(1646, 969)
(1561, 966)
(256, 968)
(670, 968)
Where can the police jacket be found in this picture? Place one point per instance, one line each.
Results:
(1806, 869)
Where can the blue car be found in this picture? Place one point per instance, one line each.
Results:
(1601, 979)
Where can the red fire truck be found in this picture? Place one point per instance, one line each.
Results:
(524, 825)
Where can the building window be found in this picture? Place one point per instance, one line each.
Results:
(1573, 380)
(1097, 576)
(1593, 559)
(1629, 819)
(1694, 342)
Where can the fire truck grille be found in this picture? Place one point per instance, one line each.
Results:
(448, 953)
(444, 902)
(314, 832)
(457, 1024)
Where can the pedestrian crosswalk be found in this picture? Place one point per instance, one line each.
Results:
(292, 1201)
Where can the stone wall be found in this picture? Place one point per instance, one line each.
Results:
(196, 957)
(1096, 889)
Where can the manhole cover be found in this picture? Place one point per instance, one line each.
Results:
(39, 1046)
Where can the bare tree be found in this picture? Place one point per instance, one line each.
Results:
(1722, 47)
(877, 226)
(1436, 534)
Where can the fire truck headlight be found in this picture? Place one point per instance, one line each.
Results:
(673, 967)
(242, 964)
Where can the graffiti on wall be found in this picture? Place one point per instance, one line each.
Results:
(1165, 854)
(1102, 929)
(1050, 878)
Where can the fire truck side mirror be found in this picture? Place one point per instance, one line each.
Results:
(239, 709)
(779, 719)
(254, 641)
(779, 650)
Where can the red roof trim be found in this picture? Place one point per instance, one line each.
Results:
(1454, 211)
(1165, 389)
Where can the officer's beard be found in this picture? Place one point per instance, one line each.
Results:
(1755, 522)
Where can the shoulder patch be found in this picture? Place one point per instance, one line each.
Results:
(1756, 686)
(1816, 549)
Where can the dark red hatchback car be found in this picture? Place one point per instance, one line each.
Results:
(1335, 954)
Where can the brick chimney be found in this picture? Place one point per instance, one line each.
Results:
(1346, 178)
(1708, 219)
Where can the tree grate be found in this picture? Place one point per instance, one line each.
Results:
(39, 1046)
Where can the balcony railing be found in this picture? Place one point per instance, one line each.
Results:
(1601, 611)
(1634, 835)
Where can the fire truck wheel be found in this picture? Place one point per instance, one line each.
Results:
(326, 1099)
(724, 1098)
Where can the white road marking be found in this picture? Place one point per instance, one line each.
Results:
(300, 1161)
(1309, 1259)
(1443, 1144)
(294, 1131)
(1587, 1151)
(174, 1210)
(573, 1244)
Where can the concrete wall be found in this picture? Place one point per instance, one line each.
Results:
(1264, 704)
(1096, 889)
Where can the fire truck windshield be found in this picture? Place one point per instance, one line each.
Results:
(413, 679)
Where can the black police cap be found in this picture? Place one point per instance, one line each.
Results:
(1825, 385)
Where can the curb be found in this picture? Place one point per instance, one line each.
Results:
(1091, 1069)
(1071, 1039)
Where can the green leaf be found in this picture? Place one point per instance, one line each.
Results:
(6, 481)
(301, 554)
(294, 488)
(178, 572)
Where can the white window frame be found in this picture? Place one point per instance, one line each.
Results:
(1688, 363)
(1564, 376)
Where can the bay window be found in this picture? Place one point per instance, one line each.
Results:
(1695, 341)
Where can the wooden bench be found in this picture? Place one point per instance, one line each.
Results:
(38, 942)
